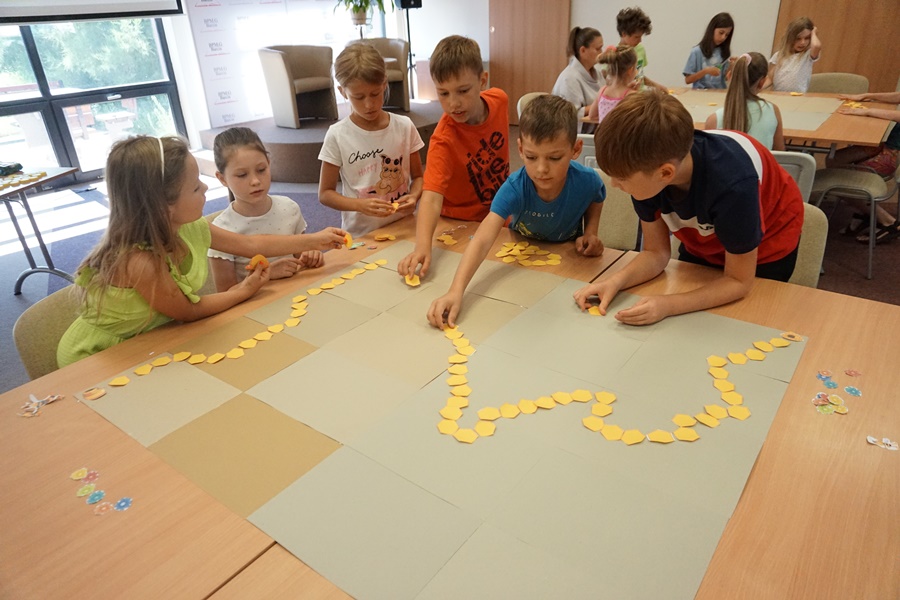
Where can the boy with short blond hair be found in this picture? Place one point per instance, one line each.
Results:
(721, 193)
(468, 155)
(551, 198)
(633, 24)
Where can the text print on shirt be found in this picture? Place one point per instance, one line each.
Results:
(486, 170)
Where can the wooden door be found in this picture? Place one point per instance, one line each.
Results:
(528, 40)
(857, 37)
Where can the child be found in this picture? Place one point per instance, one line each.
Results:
(620, 70)
(721, 193)
(551, 198)
(242, 164)
(375, 153)
(468, 156)
(744, 109)
(152, 259)
(708, 61)
(578, 82)
(791, 67)
(633, 24)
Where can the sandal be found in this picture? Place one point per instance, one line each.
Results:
(857, 225)
(885, 233)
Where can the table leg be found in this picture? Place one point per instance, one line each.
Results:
(50, 268)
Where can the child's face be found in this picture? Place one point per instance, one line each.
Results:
(801, 43)
(247, 175)
(720, 34)
(632, 39)
(547, 163)
(188, 206)
(460, 96)
(366, 99)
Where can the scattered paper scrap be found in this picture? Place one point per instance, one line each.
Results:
(93, 393)
(32, 408)
(385, 237)
(882, 443)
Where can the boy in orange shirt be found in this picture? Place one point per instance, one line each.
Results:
(468, 155)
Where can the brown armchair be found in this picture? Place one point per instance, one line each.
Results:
(396, 61)
(299, 82)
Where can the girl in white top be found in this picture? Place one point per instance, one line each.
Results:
(744, 110)
(579, 82)
(790, 69)
(242, 165)
(375, 153)
(619, 68)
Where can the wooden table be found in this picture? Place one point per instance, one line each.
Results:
(18, 194)
(817, 518)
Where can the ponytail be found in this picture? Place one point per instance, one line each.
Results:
(580, 37)
(746, 73)
(616, 61)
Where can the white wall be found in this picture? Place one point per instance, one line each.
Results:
(677, 27)
(439, 18)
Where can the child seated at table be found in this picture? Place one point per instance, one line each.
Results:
(468, 155)
(551, 198)
(790, 68)
(721, 193)
(619, 70)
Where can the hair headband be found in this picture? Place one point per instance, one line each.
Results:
(162, 159)
(747, 56)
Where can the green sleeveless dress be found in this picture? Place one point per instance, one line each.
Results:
(125, 312)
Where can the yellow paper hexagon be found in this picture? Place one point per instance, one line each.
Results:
(458, 369)
(632, 436)
(466, 350)
(381, 262)
(412, 280)
(593, 423)
(348, 276)
(455, 380)
(528, 407)
(606, 397)
(451, 413)
(235, 353)
(196, 359)
(562, 397)
(707, 420)
(714, 410)
(684, 420)
(686, 434)
(554, 257)
(461, 341)
(582, 396)
(723, 385)
(300, 298)
(296, 314)
(595, 311)
(248, 344)
(779, 343)
(554, 262)
(292, 322)
(754, 354)
(525, 262)
(509, 259)
(737, 358)
(370, 267)
(739, 412)
(718, 373)
(180, 356)
(612, 432)
(466, 436)
(119, 381)
(545, 402)
(337, 281)
(215, 358)
(161, 361)
(277, 328)
(461, 390)
(489, 413)
(357, 271)
(660, 437)
(733, 398)
(300, 305)
(601, 410)
(452, 334)
(457, 359)
(764, 346)
(143, 370)
(448, 427)
(457, 401)
(325, 286)
(314, 291)
(485, 428)
(263, 336)
(716, 361)
(509, 411)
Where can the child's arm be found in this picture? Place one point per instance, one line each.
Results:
(222, 271)
(416, 172)
(815, 44)
(450, 303)
(274, 245)
(593, 111)
(887, 97)
(778, 138)
(712, 122)
(328, 180)
(426, 222)
(877, 113)
(689, 79)
(590, 244)
(659, 86)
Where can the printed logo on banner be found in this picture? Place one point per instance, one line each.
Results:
(210, 24)
(216, 48)
(227, 117)
(224, 97)
(220, 72)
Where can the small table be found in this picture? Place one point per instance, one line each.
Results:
(17, 194)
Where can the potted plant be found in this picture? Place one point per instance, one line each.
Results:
(359, 9)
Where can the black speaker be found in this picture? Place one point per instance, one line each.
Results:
(410, 3)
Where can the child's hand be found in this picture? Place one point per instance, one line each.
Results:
(445, 309)
(327, 239)
(604, 290)
(376, 207)
(254, 280)
(853, 97)
(284, 267)
(311, 259)
(406, 204)
(589, 245)
(713, 71)
(846, 110)
(646, 311)
(408, 265)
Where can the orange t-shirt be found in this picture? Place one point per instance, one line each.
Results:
(466, 164)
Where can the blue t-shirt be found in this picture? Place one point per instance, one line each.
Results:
(697, 62)
(557, 221)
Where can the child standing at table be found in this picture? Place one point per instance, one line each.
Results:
(720, 192)
(242, 164)
(551, 198)
(375, 153)
(633, 24)
(708, 62)
(744, 109)
(151, 262)
(619, 69)
(468, 156)
(790, 68)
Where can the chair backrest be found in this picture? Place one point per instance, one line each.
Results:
(525, 99)
(389, 48)
(38, 330)
(618, 222)
(588, 156)
(838, 83)
(800, 166)
(812, 247)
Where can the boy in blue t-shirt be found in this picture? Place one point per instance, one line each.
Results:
(551, 198)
